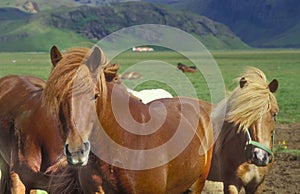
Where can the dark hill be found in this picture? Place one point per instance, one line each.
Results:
(97, 22)
(260, 23)
(69, 26)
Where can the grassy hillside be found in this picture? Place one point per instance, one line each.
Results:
(35, 36)
(20, 31)
(42, 4)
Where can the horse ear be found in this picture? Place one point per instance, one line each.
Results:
(55, 55)
(273, 86)
(94, 59)
(243, 82)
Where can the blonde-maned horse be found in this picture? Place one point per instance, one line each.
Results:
(85, 96)
(243, 155)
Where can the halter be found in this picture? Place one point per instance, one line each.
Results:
(259, 145)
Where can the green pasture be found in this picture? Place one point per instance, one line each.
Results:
(283, 65)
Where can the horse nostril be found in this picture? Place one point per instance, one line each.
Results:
(267, 158)
(87, 146)
(66, 150)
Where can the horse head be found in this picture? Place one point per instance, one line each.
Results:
(260, 135)
(77, 78)
(253, 108)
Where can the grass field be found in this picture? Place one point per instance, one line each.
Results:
(283, 65)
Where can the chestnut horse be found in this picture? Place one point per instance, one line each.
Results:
(31, 144)
(30, 140)
(160, 147)
(184, 68)
(243, 150)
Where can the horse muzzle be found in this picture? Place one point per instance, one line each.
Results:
(257, 156)
(77, 156)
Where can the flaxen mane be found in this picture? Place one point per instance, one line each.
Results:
(244, 105)
(61, 85)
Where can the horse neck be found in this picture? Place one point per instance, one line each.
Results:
(122, 110)
(116, 94)
(225, 131)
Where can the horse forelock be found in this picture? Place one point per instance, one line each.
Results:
(246, 105)
(61, 83)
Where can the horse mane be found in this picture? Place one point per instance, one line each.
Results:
(61, 83)
(243, 106)
(246, 105)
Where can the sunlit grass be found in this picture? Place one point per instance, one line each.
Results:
(284, 65)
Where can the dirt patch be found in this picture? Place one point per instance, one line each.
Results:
(285, 174)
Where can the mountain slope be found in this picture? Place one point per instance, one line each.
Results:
(260, 23)
(68, 26)
(103, 20)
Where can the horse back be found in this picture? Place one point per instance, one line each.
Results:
(14, 90)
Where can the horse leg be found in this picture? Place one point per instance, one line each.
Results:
(17, 186)
(197, 187)
(100, 190)
(257, 189)
(4, 177)
(232, 188)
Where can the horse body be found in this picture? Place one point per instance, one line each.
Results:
(30, 141)
(184, 68)
(250, 116)
(184, 169)
(105, 107)
(230, 166)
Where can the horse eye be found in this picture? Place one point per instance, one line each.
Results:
(95, 96)
(274, 116)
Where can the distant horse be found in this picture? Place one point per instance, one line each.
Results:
(184, 68)
(30, 139)
(131, 75)
(243, 150)
(149, 95)
(84, 96)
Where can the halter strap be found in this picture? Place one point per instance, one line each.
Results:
(259, 145)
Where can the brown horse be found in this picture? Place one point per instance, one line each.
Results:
(160, 147)
(31, 144)
(30, 141)
(242, 156)
(131, 75)
(184, 68)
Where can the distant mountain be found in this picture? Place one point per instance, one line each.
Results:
(69, 26)
(260, 23)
